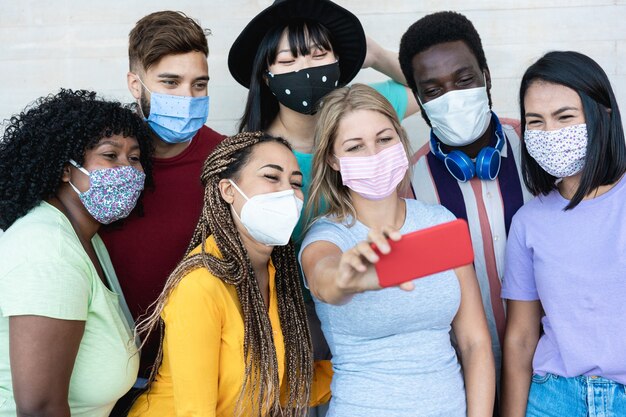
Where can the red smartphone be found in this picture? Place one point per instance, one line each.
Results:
(425, 252)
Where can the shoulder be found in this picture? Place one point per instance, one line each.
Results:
(330, 230)
(42, 234)
(200, 282)
(206, 133)
(207, 139)
(395, 93)
(538, 207)
(198, 291)
(44, 269)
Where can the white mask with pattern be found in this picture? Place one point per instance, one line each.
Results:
(561, 153)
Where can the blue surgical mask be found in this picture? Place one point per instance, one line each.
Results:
(176, 119)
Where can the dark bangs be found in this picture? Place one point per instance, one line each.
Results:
(301, 34)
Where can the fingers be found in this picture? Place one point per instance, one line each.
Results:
(379, 238)
(407, 286)
(353, 259)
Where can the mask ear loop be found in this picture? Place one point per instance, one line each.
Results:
(231, 204)
(143, 115)
(81, 169)
(238, 189)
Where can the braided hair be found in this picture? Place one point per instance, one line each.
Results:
(261, 380)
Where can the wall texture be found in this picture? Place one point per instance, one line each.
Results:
(45, 45)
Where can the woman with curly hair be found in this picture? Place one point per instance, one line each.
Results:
(68, 164)
(236, 340)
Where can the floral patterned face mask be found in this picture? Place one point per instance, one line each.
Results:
(561, 153)
(112, 193)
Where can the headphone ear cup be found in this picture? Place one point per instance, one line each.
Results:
(460, 166)
(488, 163)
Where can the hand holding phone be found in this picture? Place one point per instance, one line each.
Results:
(425, 252)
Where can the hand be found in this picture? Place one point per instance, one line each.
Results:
(356, 272)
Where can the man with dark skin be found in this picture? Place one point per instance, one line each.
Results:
(471, 164)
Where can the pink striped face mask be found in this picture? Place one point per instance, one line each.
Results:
(375, 177)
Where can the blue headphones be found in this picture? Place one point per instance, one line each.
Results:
(462, 167)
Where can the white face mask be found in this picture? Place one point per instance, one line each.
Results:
(459, 117)
(270, 218)
(561, 153)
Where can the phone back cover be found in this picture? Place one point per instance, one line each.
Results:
(426, 252)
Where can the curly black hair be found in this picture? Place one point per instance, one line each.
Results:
(434, 29)
(38, 142)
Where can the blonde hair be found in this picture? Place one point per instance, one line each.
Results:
(261, 369)
(328, 195)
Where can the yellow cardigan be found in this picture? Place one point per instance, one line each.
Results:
(203, 362)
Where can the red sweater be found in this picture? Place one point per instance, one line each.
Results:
(144, 250)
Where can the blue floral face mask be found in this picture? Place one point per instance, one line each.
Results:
(112, 193)
(176, 119)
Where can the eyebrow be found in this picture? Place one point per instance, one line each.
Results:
(279, 168)
(310, 46)
(173, 76)
(555, 113)
(563, 109)
(435, 80)
(115, 144)
(382, 131)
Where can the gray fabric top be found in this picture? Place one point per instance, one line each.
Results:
(392, 354)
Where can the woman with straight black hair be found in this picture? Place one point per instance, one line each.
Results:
(565, 279)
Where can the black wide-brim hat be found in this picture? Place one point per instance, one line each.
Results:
(348, 36)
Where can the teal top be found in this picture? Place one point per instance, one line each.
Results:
(44, 271)
(396, 94)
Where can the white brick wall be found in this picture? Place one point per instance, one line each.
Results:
(45, 45)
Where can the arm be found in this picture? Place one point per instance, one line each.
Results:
(474, 344)
(334, 277)
(193, 334)
(42, 352)
(523, 328)
(386, 62)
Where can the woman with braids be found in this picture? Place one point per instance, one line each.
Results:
(236, 340)
(68, 164)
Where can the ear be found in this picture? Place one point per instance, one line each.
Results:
(333, 162)
(66, 173)
(134, 86)
(227, 191)
(488, 79)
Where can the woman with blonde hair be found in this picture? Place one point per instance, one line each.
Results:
(390, 342)
(235, 339)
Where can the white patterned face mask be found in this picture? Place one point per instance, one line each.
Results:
(561, 153)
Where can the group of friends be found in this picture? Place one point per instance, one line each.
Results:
(150, 266)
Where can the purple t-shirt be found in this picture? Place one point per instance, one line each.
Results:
(574, 262)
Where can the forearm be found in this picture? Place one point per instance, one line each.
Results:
(516, 379)
(325, 284)
(387, 63)
(480, 379)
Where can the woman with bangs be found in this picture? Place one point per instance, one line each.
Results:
(291, 55)
(565, 278)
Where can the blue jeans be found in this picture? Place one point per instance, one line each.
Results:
(581, 396)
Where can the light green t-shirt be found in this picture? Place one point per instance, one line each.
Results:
(44, 271)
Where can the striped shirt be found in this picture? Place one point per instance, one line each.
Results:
(488, 207)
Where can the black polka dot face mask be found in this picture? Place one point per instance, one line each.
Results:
(301, 90)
